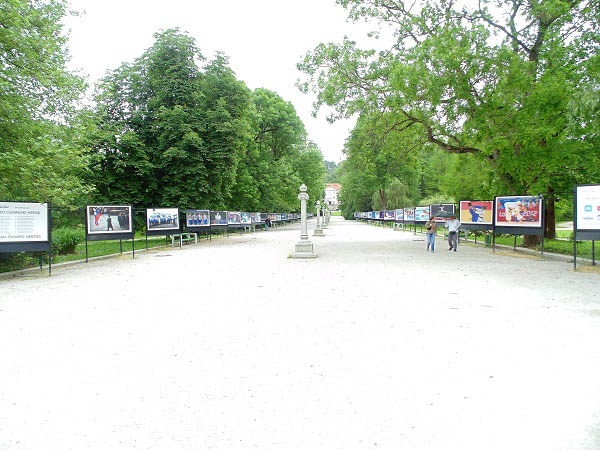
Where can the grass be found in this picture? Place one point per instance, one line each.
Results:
(95, 248)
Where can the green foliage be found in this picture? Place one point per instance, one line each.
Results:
(41, 156)
(513, 84)
(172, 133)
(65, 239)
(333, 174)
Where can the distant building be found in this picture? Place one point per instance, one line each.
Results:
(332, 195)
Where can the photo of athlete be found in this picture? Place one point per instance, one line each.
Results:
(477, 214)
(519, 211)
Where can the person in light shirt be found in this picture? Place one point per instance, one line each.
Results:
(453, 225)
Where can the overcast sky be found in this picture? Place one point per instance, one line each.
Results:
(264, 40)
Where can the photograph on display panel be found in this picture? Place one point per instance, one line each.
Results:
(477, 212)
(421, 213)
(442, 211)
(162, 219)
(588, 207)
(246, 218)
(256, 217)
(108, 219)
(23, 222)
(399, 215)
(409, 215)
(197, 217)
(234, 218)
(218, 218)
(389, 215)
(518, 211)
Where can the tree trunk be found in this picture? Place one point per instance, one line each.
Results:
(550, 218)
(532, 241)
(383, 199)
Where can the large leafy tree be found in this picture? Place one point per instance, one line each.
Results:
(41, 156)
(169, 132)
(173, 132)
(494, 80)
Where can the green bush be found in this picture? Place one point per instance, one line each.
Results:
(65, 239)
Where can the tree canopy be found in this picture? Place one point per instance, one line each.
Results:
(41, 155)
(175, 129)
(496, 80)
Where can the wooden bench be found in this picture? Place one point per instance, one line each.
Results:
(184, 237)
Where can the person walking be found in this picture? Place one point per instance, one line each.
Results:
(431, 228)
(267, 224)
(453, 225)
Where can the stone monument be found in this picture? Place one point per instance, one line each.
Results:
(304, 248)
(318, 231)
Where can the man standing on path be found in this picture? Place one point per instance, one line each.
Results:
(431, 229)
(453, 225)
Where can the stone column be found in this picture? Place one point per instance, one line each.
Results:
(304, 248)
(318, 230)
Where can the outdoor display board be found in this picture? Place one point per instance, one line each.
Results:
(197, 218)
(162, 219)
(381, 215)
(24, 222)
(474, 212)
(109, 220)
(256, 217)
(246, 218)
(518, 211)
(399, 215)
(442, 209)
(278, 218)
(218, 218)
(234, 218)
(421, 213)
(587, 208)
(409, 214)
(389, 215)
(374, 214)
(586, 215)
(272, 217)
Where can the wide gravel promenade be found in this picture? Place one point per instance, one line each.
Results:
(376, 344)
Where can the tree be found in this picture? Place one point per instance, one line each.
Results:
(41, 157)
(475, 80)
(171, 132)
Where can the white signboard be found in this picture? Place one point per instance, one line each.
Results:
(588, 207)
(23, 222)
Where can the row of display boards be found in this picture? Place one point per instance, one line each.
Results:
(27, 226)
(515, 214)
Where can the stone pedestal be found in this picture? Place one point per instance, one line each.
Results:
(304, 249)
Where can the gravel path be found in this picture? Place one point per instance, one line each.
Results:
(376, 344)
